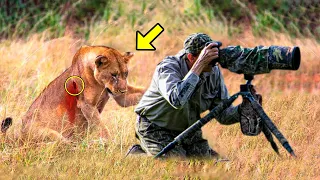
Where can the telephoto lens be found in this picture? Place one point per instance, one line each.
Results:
(260, 59)
(289, 59)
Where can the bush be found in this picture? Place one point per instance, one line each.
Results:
(22, 17)
(298, 18)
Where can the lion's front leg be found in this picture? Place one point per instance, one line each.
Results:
(131, 97)
(92, 115)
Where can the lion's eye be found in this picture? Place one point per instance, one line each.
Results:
(114, 75)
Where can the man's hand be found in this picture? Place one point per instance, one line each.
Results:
(206, 56)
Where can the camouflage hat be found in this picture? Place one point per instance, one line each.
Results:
(196, 42)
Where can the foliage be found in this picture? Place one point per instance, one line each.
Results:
(21, 18)
(297, 18)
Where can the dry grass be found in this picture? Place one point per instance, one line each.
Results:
(290, 99)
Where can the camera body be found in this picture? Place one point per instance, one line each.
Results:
(213, 62)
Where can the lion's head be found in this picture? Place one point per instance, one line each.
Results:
(110, 68)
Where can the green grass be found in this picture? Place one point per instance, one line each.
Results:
(24, 19)
(28, 64)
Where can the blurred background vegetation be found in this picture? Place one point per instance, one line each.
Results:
(20, 18)
(38, 38)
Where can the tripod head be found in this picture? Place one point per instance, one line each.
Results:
(249, 78)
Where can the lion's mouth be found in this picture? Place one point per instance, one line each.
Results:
(116, 93)
(109, 91)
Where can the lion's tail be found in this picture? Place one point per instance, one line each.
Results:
(5, 124)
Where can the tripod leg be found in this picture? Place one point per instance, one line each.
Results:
(198, 124)
(271, 126)
(269, 137)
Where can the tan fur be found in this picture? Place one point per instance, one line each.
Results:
(49, 115)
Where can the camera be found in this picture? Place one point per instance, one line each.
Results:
(257, 60)
(219, 44)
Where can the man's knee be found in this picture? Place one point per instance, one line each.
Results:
(196, 146)
(152, 145)
(154, 138)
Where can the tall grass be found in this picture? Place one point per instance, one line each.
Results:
(290, 99)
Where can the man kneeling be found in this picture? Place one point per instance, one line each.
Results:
(183, 86)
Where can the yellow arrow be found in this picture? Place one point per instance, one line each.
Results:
(143, 42)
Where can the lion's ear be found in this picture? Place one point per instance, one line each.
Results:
(100, 60)
(128, 55)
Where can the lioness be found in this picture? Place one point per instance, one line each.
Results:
(59, 112)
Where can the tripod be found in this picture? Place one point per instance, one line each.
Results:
(268, 126)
